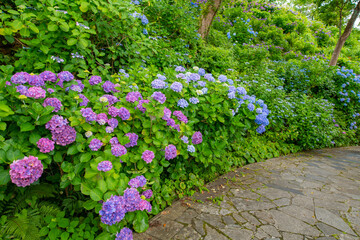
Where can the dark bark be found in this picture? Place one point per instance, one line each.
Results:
(345, 35)
(208, 17)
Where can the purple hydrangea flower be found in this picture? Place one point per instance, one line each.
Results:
(147, 194)
(183, 103)
(167, 114)
(45, 145)
(20, 78)
(201, 72)
(124, 234)
(111, 99)
(170, 152)
(132, 199)
(241, 90)
(94, 80)
(194, 77)
(140, 105)
(104, 166)
(36, 92)
(180, 69)
(148, 156)
(124, 114)
(64, 136)
(22, 89)
(191, 148)
(48, 76)
(54, 102)
(133, 97)
(113, 111)
(114, 141)
(25, 171)
(89, 114)
(196, 138)
(56, 122)
(251, 107)
(260, 129)
(185, 139)
(231, 95)
(176, 87)
(144, 205)
(113, 210)
(222, 78)
(113, 122)
(133, 139)
(50, 90)
(85, 100)
(118, 150)
(201, 83)
(109, 129)
(108, 86)
(95, 144)
(65, 76)
(102, 118)
(158, 84)
(35, 80)
(159, 96)
(137, 182)
(181, 117)
(209, 77)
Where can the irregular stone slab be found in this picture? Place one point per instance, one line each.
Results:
(212, 234)
(300, 213)
(199, 225)
(238, 233)
(273, 193)
(282, 202)
(163, 228)
(291, 236)
(333, 220)
(271, 230)
(187, 233)
(327, 230)
(251, 205)
(304, 201)
(143, 236)
(287, 223)
(263, 216)
(250, 218)
(175, 210)
(211, 219)
(187, 216)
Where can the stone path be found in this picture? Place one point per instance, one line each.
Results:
(312, 195)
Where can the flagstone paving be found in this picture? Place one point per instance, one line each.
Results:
(311, 195)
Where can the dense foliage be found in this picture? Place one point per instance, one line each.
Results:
(110, 111)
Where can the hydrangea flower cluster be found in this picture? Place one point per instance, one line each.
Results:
(45, 145)
(194, 100)
(125, 233)
(197, 138)
(158, 84)
(176, 87)
(137, 182)
(62, 133)
(190, 148)
(104, 166)
(140, 105)
(147, 194)
(159, 96)
(148, 156)
(113, 210)
(133, 139)
(170, 152)
(25, 171)
(181, 117)
(36, 92)
(133, 97)
(94, 80)
(54, 102)
(183, 103)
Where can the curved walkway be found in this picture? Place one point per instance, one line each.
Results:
(311, 195)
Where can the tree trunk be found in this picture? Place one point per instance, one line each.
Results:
(208, 16)
(345, 35)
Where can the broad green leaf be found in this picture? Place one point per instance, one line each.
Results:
(4, 176)
(2, 126)
(141, 222)
(96, 194)
(71, 41)
(85, 157)
(101, 185)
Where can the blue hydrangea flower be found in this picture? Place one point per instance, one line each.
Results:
(251, 107)
(231, 95)
(201, 72)
(185, 139)
(260, 129)
(158, 84)
(222, 78)
(183, 103)
(176, 87)
(204, 90)
(241, 90)
(194, 100)
(190, 148)
(145, 32)
(201, 83)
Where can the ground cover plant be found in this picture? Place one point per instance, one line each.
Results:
(128, 108)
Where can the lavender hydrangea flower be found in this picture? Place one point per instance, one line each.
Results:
(118, 150)
(113, 111)
(147, 194)
(258, 110)
(132, 199)
(196, 138)
(194, 77)
(113, 122)
(45, 145)
(176, 87)
(261, 119)
(148, 156)
(111, 99)
(22, 89)
(201, 83)
(64, 136)
(140, 105)
(85, 100)
(35, 80)
(180, 69)
(114, 141)
(113, 210)
(48, 76)
(201, 72)
(185, 139)
(204, 90)
(124, 234)
(144, 205)
(251, 107)
(190, 148)
(222, 78)
(159, 96)
(181, 117)
(56, 122)
(124, 114)
(36, 92)
(109, 129)
(170, 152)
(137, 182)
(20, 78)
(108, 86)
(65, 76)
(104, 166)
(94, 80)
(89, 114)
(25, 171)
(54, 102)
(260, 129)
(167, 114)
(102, 118)
(194, 100)
(158, 84)
(95, 144)
(161, 77)
(183, 103)
(133, 97)
(50, 90)
(133, 139)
